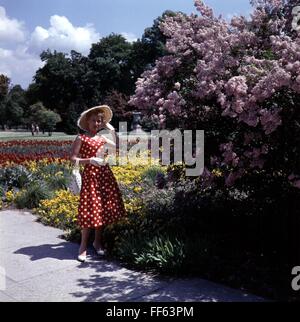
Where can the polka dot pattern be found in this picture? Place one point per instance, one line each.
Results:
(101, 200)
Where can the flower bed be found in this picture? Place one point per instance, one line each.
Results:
(20, 151)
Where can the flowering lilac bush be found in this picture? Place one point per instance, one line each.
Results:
(237, 80)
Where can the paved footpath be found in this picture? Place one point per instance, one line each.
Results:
(37, 265)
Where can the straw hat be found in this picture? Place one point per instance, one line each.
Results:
(105, 109)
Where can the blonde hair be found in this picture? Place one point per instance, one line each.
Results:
(95, 112)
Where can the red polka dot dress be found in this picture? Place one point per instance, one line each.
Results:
(100, 201)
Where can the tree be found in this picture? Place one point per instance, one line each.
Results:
(4, 85)
(150, 47)
(60, 83)
(119, 104)
(34, 114)
(14, 106)
(49, 120)
(109, 68)
(74, 111)
(45, 118)
(54, 81)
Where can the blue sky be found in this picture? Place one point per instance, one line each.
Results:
(29, 26)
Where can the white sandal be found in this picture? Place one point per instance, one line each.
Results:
(81, 258)
(100, 251)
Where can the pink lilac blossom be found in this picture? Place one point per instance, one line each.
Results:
(256, 156)
(294, 180)
(239, 23)
(296, 184)
(233, 176)
(233, 65)
(263, 3)
(230, 157)
(177, 86)
(270, 120)
(173, 103)
(203, 9)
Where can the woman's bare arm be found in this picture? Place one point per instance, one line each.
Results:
(113, 133)
(75, 152)
(110, 142)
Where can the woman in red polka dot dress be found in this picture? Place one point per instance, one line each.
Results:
(100, 197)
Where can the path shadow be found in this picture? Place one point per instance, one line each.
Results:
(61, 251)
(102, 279)
(110, 281)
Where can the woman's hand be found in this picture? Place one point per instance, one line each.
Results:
(110, 127)
(97, 161)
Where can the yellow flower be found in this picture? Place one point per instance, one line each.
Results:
(137, 189)
(62, 209)
(9, 196)
(31, 165)
(133, 205)
(217, 172)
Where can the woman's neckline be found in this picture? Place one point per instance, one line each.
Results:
(94, 137)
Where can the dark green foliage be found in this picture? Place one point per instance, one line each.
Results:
(15, 176)
(163, 253)
(34, 193)
(153, 174)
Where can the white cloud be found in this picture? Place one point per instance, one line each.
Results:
(63, 36)
(19, 65)
(11, 30)
(15, 62)
(20, 50)
(130, 37)
(5, 56)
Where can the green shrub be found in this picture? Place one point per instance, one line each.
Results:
(129, 246)
(151, 173)
(15, 176)
(175, 172)
(200, 254)
(163, 253)
(53, 168)
(159, 209)
(34, 193)
(58, 181)
(72, 234)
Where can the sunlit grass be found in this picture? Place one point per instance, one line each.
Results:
(14, 135)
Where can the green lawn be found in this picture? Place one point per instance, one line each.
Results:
(10, 135)
(18, 135)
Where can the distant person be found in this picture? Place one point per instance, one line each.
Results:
(32, 129)
(37, 129)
